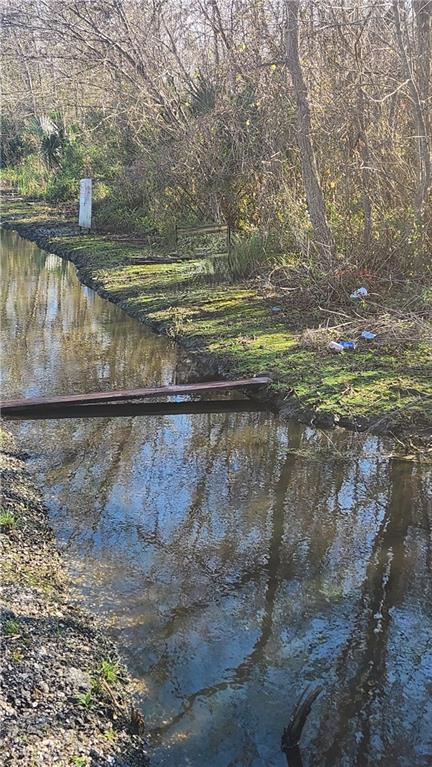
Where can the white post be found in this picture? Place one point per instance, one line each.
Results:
(85, 207)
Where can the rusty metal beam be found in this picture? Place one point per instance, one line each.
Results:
(41, 404)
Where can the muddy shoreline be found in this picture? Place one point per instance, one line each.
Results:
(288, 405)
(65, 696)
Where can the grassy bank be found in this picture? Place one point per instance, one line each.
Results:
(64, 697)
(252, 327)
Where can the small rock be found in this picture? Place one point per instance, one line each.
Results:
(79, 679)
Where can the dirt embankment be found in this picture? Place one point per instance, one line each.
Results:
(64, 697)
(235, 329)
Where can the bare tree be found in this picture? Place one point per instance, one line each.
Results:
(423, 12)
(243, 110)
(314, 196)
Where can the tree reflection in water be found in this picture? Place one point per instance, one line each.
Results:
(236, 557)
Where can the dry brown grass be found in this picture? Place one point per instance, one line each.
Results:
(394, 328)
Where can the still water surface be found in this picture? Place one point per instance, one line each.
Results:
(235, 557)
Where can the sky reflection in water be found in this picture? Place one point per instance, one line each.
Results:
(235, 557)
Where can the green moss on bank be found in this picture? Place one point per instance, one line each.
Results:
(235, 322)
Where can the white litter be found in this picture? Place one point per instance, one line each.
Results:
(335, 347)
(359, 293)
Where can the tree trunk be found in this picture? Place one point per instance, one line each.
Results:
(315, 201)
(423, 16)
(363, 149)
(423, 140)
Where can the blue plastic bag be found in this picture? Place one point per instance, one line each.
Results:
(367, 335)
(348, 345)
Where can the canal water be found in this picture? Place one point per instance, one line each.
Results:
(237, 558)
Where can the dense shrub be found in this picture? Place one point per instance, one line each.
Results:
(31, 176)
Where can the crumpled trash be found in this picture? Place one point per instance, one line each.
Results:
(359, 293)
(348, 345)
(367, 335)
(335, 347)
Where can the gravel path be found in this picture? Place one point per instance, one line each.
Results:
(64, 693)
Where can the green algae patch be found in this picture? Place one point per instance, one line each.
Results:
(236, 323)
(33, 212)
